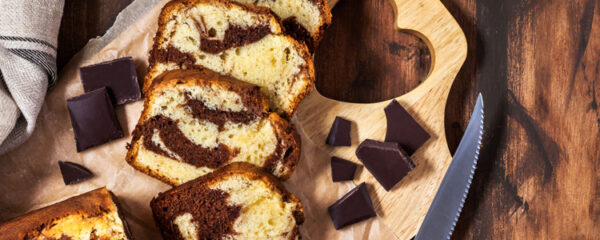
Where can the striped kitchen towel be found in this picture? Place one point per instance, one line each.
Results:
(28, 40)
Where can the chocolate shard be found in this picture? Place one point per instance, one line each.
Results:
(118, 76)
(403, 129)
(339, 135)
(342, 169)
(353, 207)
(93, 119)
(73, 173)
(387, 161)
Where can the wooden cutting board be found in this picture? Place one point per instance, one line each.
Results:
(404, 207)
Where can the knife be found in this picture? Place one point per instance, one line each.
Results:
(450, 197)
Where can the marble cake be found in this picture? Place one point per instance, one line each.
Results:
(92, 215)
(238, 201)
(196, 121)
(305, 20)
(238, 40)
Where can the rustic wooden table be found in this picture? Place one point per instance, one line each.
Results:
(537, 63)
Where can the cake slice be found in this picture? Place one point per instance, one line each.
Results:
(238, 201)
(195, 121)
(92, 215)
(305, 20)
(242, 41)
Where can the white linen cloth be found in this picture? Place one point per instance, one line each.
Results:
(28, 44)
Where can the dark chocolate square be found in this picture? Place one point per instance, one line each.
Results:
(388, 162)
(342, 169)
(73, 173)
(339, 135)
(353, 207)
(403, 129)
(118, 76)
(93, 119)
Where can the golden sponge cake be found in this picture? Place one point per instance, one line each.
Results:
(238, 201)
(92, 215)
(195, 121)
(238, 40)
(305, 20)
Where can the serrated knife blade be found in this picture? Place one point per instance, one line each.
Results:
(450, 197)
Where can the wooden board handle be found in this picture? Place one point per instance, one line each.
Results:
(431, 21)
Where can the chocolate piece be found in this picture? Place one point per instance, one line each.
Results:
(73, 173)
(342, 169)
(388, 162)
(339, 135)
(118, 76)
(353, 207)
(93, 119)
(403, 129)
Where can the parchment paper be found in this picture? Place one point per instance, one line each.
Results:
(30, 176)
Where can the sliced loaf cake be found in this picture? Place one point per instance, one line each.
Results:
(305, 20)
(239, 40)
(195, 121)
(92, 215)
(238, 201)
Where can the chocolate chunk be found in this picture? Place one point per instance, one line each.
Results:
(388, 162)
(403, 129)
(118, 76)
(73, 173)
(339, 135)
(353, 207)
(342, 169)
(93, 119)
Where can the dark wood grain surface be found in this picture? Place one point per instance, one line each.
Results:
(83, 20)
(537, 62)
